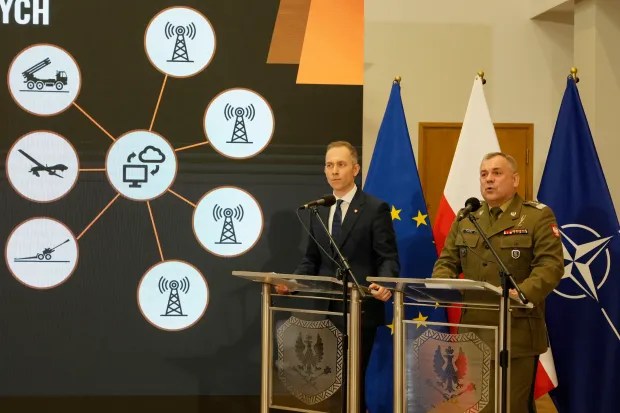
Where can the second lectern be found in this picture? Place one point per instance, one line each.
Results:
(443, 367)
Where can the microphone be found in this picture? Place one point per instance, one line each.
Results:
(471, 205)
(326, 200)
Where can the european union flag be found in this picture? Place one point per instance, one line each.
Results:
(583, 313)
(393, 177)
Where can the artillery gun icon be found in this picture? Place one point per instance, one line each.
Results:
(44, 256)
(31, 81)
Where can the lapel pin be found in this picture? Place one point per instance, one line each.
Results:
(513, 214)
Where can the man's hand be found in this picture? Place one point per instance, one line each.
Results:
(282, 289)
(380, 293)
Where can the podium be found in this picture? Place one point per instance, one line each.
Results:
(302, 346)
(438, 370)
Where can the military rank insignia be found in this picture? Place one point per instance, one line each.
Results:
(556, 230)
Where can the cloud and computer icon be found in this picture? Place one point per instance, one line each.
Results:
(141, 165)
(136, 174)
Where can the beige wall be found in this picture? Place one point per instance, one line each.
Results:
(597, 54)
(438, 46)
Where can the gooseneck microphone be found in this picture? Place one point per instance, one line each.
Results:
(471, 205)
(327, 200)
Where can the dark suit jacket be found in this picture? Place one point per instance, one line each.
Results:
(368, 243)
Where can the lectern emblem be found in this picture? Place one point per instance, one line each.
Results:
(309, 359)
(449, 370)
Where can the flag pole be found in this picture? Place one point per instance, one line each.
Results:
(398, 340)
(573, 74)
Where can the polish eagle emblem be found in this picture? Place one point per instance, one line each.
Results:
(449, 371)
(309, 354)
(309, 359)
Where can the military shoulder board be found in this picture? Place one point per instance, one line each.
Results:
(535, 204)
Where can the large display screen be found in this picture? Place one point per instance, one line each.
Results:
(148, 150)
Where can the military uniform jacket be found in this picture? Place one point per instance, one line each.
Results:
(527, 240)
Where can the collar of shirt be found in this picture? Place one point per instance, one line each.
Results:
(503, 207)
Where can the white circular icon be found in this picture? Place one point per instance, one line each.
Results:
(141, 165)
(227, 221)
(42, 166)
(179, 41)
(44, 79)
(239, 123)
(41, 253)
(173, 295)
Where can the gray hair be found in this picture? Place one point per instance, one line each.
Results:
(509, 158)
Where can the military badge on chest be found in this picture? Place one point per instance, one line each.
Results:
(515, 254)
(515, 231)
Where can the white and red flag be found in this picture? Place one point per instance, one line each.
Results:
(546, 377)
(477, 138)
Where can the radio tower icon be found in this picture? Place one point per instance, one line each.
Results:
(228, 230)
(239, 134)
(180, 47)
(173, 309)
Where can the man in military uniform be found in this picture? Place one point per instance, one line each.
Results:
(525, 235)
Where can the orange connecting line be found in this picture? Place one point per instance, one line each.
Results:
(94, 121)
(191, 146)
(161, 254)
(182, 198)
(92, 170)
(161, 92)
(98, 216)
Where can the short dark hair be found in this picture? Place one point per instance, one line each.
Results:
(351, 148)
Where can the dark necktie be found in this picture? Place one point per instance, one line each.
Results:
(495, 212)
(337, 221)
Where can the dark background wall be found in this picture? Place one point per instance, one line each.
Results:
(87, 336)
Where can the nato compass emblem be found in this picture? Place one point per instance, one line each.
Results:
(587, 264)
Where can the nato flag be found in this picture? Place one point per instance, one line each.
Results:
(583, 313)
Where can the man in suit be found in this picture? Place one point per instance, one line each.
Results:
(362, 227)
(527, 239)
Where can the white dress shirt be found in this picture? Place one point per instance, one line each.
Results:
(346, 201)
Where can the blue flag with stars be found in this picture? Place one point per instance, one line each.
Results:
(583, 313)
(393, 177)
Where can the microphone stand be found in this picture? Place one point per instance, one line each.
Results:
(506, 279)
(344, 273)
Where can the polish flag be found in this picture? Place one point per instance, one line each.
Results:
(477, 138)
(546, 379)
